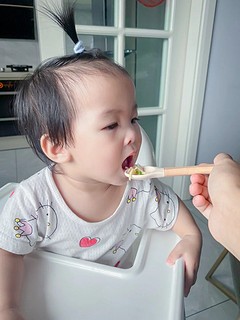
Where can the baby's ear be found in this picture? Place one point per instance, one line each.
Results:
(56, 153)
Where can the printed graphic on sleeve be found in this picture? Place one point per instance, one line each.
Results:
(165, 211)
(26, 227)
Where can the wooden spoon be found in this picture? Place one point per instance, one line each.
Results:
(155, 172)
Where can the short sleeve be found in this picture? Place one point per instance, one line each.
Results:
(162, 209)
(18, 223)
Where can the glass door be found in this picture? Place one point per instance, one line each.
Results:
(165, 50)
(135, 36)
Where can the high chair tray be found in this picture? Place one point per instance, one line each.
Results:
(58, 287)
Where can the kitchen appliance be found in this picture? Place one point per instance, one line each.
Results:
(9, 81)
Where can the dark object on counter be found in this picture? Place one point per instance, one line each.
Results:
(19, 68)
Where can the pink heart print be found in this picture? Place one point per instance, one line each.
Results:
(87, 242)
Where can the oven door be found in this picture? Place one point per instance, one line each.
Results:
(8, 124)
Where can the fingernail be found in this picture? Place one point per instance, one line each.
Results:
(170, 262)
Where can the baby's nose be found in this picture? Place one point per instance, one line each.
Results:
(130, 136)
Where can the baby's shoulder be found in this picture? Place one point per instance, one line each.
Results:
(152, 188)
(36, 183)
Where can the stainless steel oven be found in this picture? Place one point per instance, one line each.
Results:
(9, 82)
(7, 121)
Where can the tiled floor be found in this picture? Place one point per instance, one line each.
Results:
(205, 301)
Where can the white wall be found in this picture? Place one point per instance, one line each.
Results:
(19, 52)
(220, 129)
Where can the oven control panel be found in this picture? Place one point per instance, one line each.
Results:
(9, 85)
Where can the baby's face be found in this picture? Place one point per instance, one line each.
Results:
(106, 133)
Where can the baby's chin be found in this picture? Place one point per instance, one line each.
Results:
(119, 180)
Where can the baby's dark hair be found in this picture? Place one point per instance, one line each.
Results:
(44, 101)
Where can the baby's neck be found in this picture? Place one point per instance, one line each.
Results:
(92, 202)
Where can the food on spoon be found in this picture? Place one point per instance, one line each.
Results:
(135, 170)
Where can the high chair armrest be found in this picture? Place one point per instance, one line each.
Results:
(58, 287)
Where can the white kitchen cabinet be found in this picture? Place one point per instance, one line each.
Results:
(18, 164)
(8, 167)
(27, 163)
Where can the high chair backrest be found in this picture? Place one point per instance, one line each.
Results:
(58, 287)
(146, 154)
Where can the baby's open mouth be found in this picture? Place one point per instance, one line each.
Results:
(127, 163)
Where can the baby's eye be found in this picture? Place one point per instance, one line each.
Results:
(135, 120)
(112, 126)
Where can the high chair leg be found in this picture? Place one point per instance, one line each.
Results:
(217, 283)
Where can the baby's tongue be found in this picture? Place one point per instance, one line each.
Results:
(125, 164)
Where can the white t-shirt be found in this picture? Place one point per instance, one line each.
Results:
(36, 216)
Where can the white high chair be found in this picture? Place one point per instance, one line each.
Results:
(58, 287)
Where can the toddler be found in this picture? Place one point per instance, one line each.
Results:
(79, 114)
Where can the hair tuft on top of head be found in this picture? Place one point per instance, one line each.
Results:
(44, 103)
(64, 17)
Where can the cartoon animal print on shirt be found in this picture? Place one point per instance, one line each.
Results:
(117, 247)
(49, 221)
(24, 229)
(123, 245)
(165, 216)
(127, 239)
(132, 196)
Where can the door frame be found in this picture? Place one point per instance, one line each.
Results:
(193, 79)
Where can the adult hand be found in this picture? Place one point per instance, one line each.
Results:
(217, 197)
